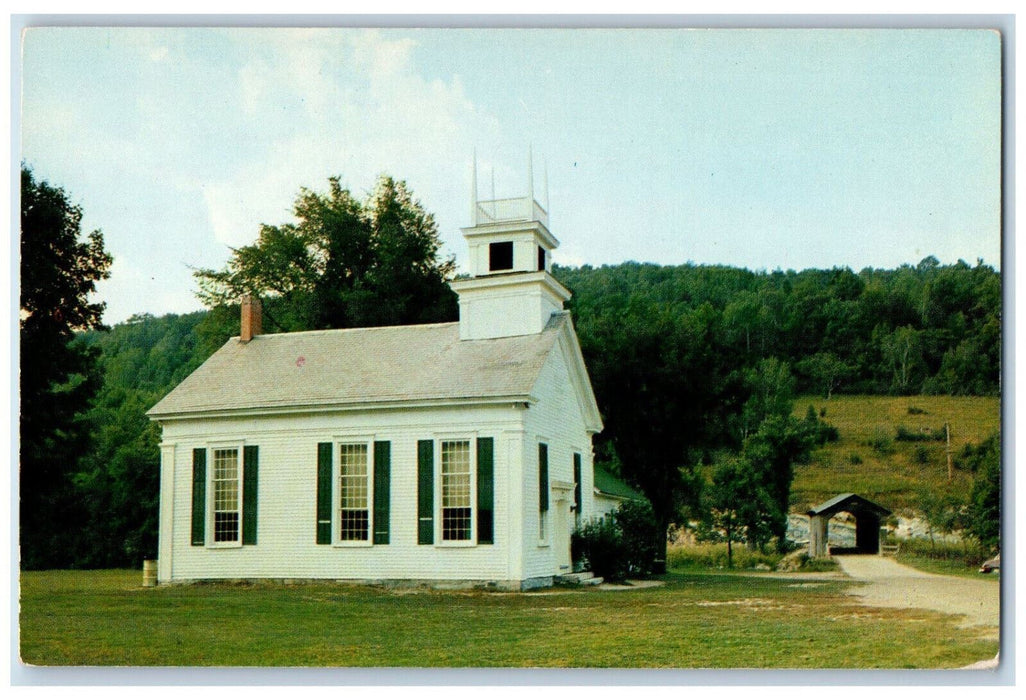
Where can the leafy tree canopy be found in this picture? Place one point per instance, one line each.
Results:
(343, 264)
(58, 378)
(668, 394)
(984, 516)
(928, 328)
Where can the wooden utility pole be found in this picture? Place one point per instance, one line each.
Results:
(947, 437)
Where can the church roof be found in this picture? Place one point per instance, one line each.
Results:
(362, 366)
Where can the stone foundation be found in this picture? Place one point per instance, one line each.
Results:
(433, 584)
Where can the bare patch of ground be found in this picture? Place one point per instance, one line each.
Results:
(630, 585)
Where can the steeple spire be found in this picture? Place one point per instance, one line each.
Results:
(545, 182)
(530, 177)
(473, 189)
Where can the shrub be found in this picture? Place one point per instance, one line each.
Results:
(599, 546)
(641, 536)
(915, 411)
(920, 455)
(881, 440)
(801, 561)
(854, 458)
(818, 564)
(828, 433)
(820, 431)
(625, 543)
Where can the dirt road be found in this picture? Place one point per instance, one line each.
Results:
(892, 585)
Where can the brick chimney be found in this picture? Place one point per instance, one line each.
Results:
(251, 318)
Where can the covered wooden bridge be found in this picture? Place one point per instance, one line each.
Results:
(867, 523)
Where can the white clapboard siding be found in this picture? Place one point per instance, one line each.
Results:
(557, 420)
(286, 545)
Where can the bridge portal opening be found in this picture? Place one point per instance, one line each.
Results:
(866, 515)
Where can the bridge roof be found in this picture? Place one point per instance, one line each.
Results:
(851, 503)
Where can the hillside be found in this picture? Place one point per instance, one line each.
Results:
(869, 460)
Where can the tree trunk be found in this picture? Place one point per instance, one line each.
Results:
(659, 563)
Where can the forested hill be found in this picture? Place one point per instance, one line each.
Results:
(141, 360)
(933, 329)
(924, 329)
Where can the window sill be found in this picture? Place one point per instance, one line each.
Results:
(544, 545)
(456, 544)
(353, 543)
(224, 545)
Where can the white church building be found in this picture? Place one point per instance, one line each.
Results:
(450, 453)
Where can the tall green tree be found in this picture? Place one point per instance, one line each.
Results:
(58, 378)
(742, 316)
(669, 396)
(826, 371)
(771, 450)
(739, 503)
(903, 352)
(984, 516)
(772, 393)
(943, 511)
(344, 263)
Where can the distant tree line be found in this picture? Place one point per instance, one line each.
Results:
(927, 329)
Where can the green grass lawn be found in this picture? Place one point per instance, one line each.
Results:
(698, 620)
(946, 567)
(891, 474)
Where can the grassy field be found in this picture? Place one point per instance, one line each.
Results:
(945, 567)
(869, 461)
(697, 620)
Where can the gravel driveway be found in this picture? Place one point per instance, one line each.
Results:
(893, 585)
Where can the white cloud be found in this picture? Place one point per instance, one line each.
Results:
(320, 103)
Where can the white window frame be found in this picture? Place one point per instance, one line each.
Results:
(471, 439)
(210, 535)
(336, 490)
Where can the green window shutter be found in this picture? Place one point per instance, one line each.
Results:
(577, 481)
(543, 476)
(324, 493)
(485, 490)
(382, 469)
(425, 492)
(199, 496)
(250, 471)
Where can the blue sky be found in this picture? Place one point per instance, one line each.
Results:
(758, 148)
